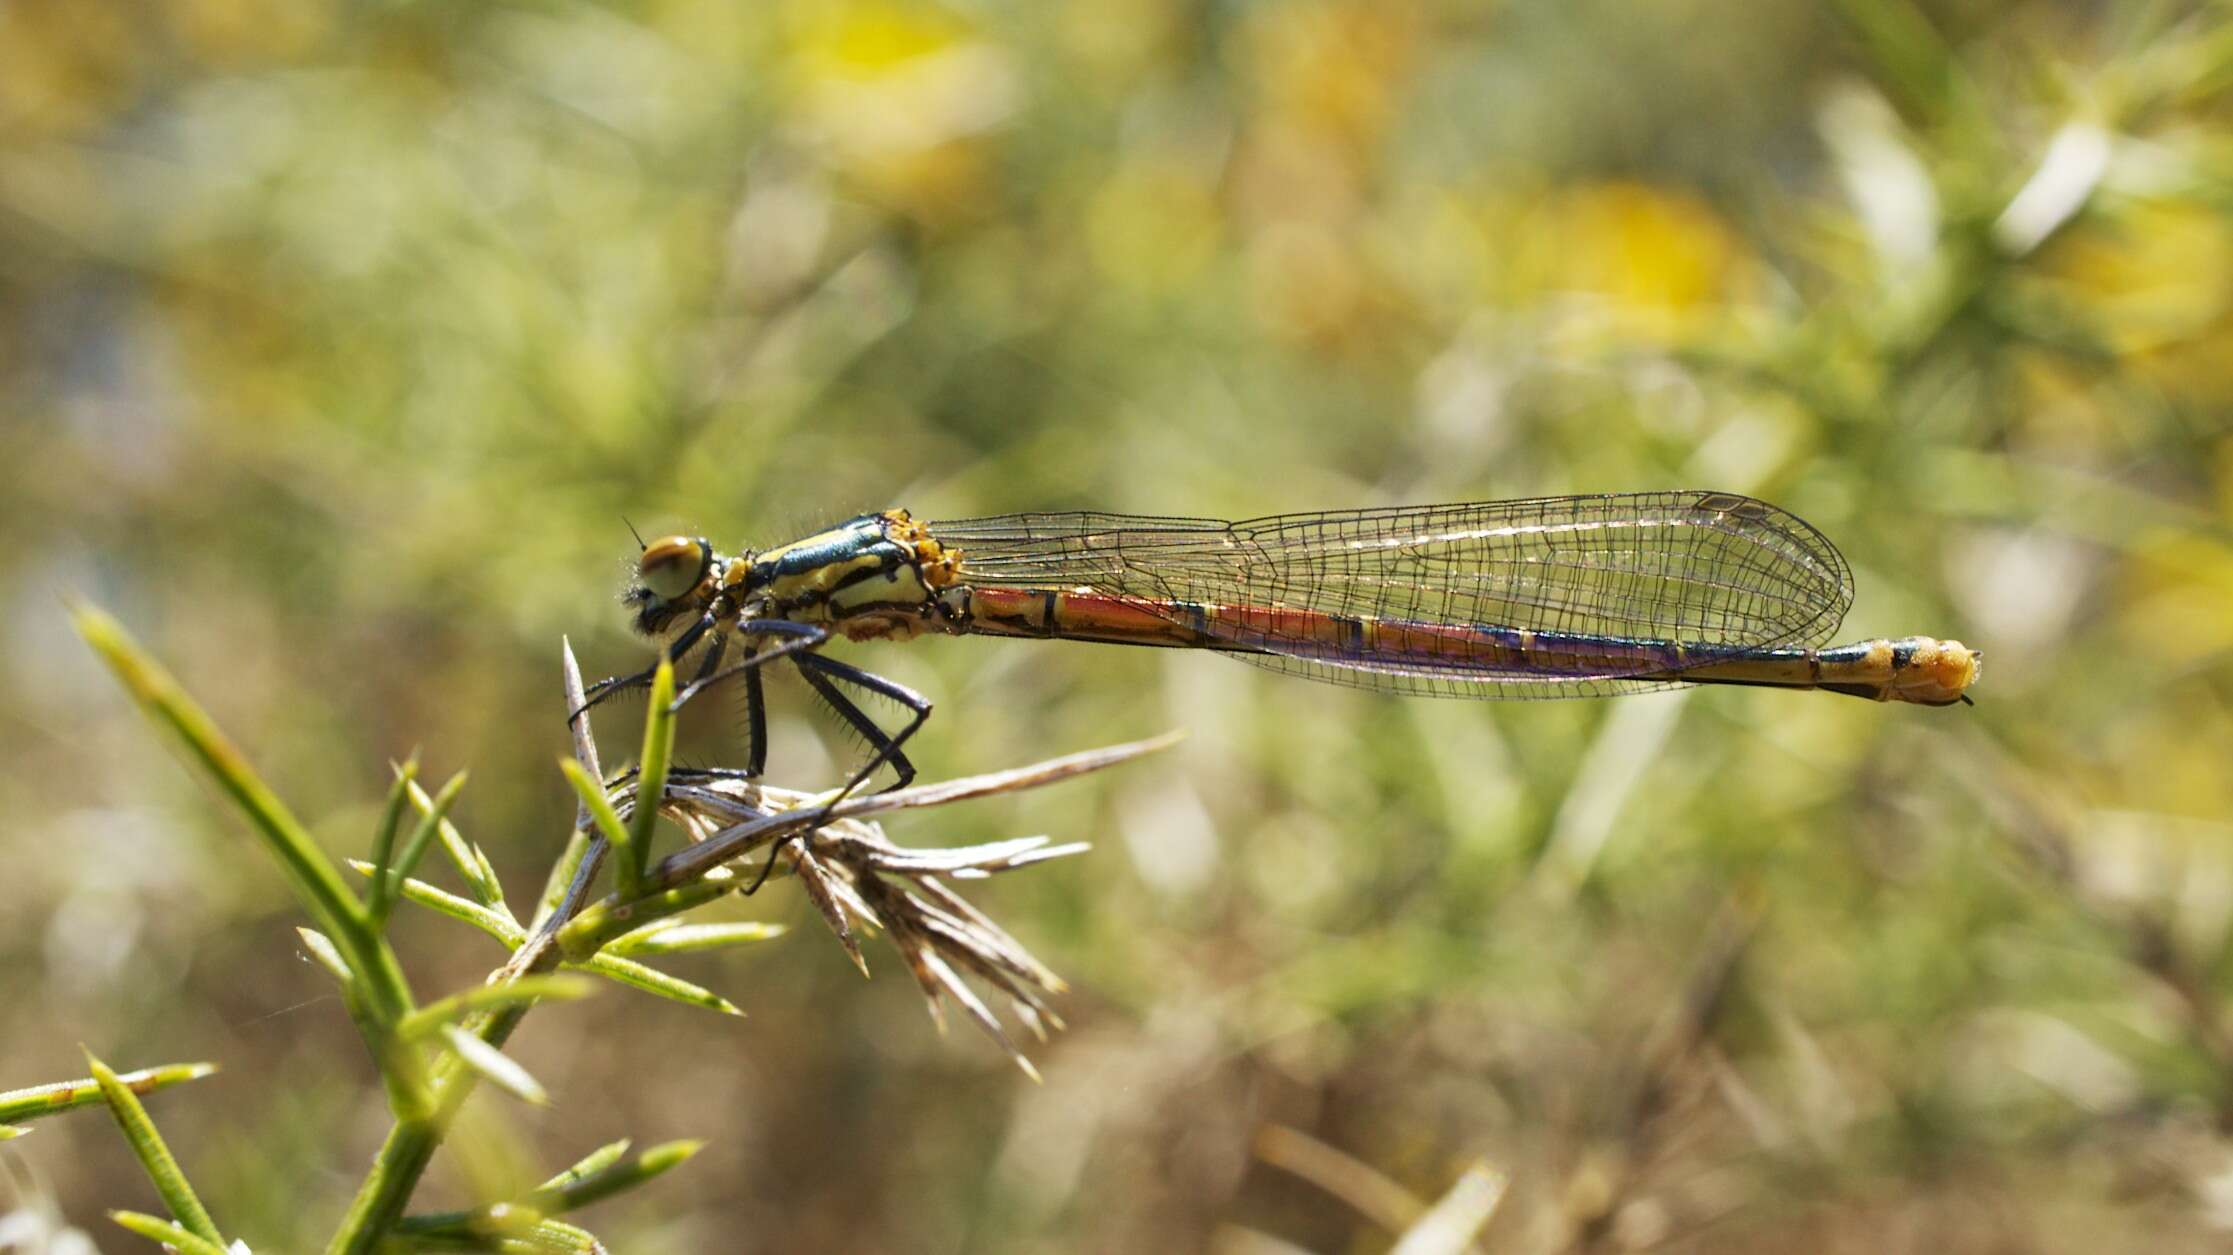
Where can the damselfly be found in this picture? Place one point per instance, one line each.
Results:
(1550, 597)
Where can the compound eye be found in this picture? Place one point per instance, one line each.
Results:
(673, 565)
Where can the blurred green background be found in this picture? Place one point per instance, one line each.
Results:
(336, 340)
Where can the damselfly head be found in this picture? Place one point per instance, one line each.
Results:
(671, 577)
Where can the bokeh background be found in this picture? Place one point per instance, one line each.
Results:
(336, 340)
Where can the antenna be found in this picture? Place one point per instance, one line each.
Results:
(632, 531)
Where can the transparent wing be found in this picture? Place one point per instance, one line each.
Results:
(1706, 569)
(1420, 681)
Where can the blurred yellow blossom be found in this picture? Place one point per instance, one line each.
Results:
(2155, 280)
(1663, 262)
(2179, 603)
(1335, 70)
(899, 97)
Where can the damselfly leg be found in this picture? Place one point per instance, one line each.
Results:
(755, 725)
(801, 636)
(596, 694)
(821, 674)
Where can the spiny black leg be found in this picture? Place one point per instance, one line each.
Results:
(769, 866)
(605, 688)
(755, 725)
(803, 636)
(921, 706)
(818, 672)
(712, 663)
(602, 689)
(706, 669)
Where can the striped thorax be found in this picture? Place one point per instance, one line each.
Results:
(876, 576)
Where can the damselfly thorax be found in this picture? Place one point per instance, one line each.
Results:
(872, 577)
